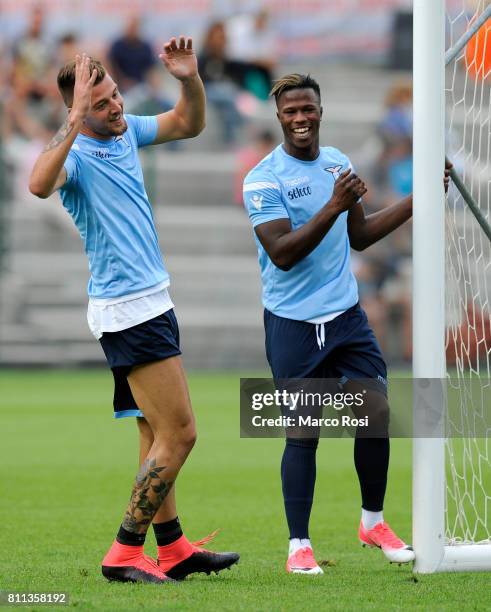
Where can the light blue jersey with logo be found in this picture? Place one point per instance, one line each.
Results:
(105, 195)
(284, 187)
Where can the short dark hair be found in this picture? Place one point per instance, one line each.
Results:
(294, 81)
(66, 78)
(67, 39)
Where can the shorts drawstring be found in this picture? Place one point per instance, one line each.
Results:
(320, 333)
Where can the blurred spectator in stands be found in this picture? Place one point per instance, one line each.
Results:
(68, 47)
(395, 131)
(134, 68)
(130, 56)
(398, 119)
(28, 100)
(393, 174)
(220, 76)
(249, 156)
(32, 59)
(252, 41)
(372, 268)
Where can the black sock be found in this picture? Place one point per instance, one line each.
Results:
(372, 463)
(129, 538)
(298, 481)
(166, 533)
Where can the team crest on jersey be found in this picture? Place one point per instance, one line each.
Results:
(335, 171)
(257, 201)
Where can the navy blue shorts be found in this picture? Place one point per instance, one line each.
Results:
(343, 349)
(152, 340)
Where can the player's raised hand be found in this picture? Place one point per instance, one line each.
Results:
(179, 58)
(348, 189)
(84, 83)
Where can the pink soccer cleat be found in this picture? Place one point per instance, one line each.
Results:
(384, 538)
(182, 558)
(128, 564)
(303, 562)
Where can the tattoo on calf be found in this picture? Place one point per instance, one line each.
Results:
(60, 136)
(148, 494)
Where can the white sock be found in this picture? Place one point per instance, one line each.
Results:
(370, 519)
(297, 544)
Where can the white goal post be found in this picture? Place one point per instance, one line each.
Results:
(435, 551)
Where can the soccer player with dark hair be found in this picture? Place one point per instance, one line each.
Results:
(93, 162)
(304, 202)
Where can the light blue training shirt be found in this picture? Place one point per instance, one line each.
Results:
(105, 195)
(284, 187)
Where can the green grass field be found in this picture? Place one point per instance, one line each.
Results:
(66, 473)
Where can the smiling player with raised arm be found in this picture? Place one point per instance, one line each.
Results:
(304, 204)
(93, 162)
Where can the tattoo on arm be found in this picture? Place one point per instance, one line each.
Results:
(146, 498)
(60, 136)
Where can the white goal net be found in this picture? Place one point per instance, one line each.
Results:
(468, 280)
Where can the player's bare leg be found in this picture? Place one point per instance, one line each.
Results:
(167, 510)
(371, 456)
(160, 390)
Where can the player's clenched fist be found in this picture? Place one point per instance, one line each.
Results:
(348, 189)
(179, 58)
(82, 90)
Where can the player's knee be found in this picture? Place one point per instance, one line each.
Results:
(188, 438)
(379, 418)
(179, 441)
(184, 444)
(383, 413)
